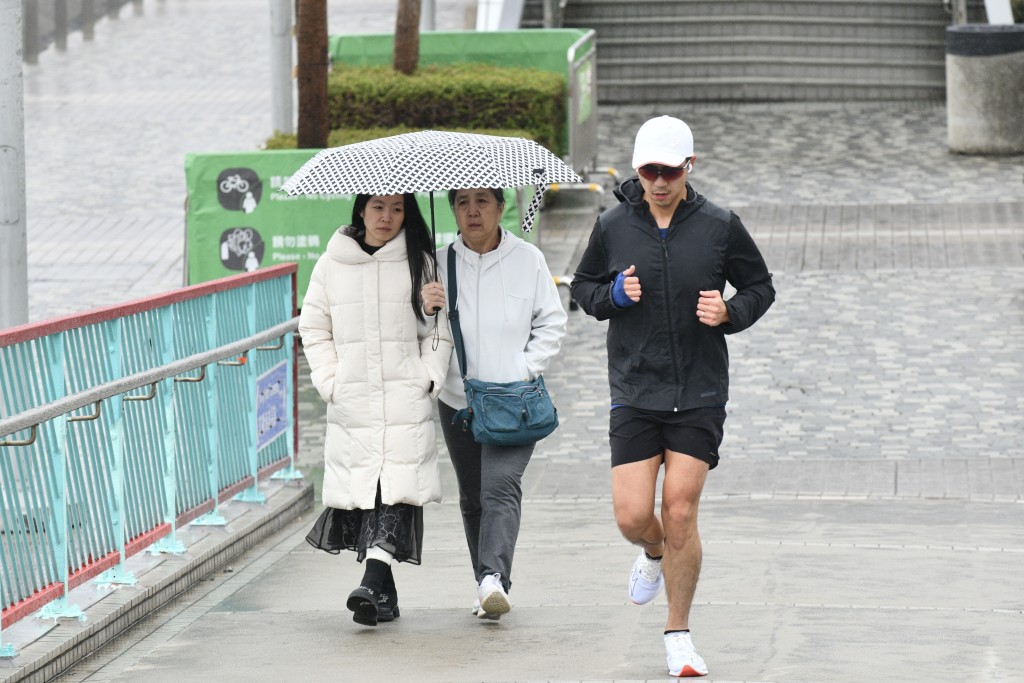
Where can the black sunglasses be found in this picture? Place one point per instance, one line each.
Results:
(669, 173)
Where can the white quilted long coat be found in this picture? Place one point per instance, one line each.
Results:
(373, 363)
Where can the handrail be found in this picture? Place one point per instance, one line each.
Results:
(28, 331)
(41, 414)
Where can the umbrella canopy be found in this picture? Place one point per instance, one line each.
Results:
(430, 161)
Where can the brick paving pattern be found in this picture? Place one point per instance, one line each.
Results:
(887, 381)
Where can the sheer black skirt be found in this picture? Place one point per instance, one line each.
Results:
(397, 529)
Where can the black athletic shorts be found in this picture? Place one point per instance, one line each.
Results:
(637, 434)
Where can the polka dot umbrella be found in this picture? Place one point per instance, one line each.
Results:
(430, 161)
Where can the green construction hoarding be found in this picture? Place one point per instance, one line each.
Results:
(238, 220)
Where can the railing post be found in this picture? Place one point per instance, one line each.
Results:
(165, 397)
(251, 494)
(60, 25)
(88, 19)
(59, 502)
(959, 11)
(115, 352)
(6, 651)
(213, 517)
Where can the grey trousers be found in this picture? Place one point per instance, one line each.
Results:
(490, 496)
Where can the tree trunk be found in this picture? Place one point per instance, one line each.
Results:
(407, 36)
(311, 63)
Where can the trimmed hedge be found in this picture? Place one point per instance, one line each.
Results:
(337, 138)
(471, 97)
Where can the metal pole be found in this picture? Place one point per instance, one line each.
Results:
(428, 15)
(959, 11)
(13, 234)
(281, 65)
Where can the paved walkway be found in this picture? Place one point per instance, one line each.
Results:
(866, 520)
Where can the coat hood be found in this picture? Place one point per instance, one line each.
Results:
(344, 248)
(491, 259)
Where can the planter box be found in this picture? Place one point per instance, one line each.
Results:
(985, 88)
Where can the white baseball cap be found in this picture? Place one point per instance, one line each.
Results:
(663, 140)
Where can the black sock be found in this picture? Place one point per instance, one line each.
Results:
(678, 630)
(389, 583)
(648, 556)
(373, 576)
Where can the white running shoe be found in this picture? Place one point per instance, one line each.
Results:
(493, 598)
(645, 579)
(480, 613)
(683, 660)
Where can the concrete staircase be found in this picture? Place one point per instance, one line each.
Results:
(758, 50)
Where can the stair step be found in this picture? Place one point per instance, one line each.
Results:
(634, 91)
(756, 28)
(802, 70)
(870, 9)
(772, 47)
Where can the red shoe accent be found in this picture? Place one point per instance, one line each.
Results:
(689, 672)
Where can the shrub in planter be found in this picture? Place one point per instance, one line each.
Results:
(472, 97)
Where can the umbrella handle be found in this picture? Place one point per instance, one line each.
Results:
(538, 196)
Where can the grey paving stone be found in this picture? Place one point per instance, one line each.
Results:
(875, 424)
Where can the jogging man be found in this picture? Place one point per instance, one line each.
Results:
(656, 268)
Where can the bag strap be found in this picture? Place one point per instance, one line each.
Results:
(453, 312)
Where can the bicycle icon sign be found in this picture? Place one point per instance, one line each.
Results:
(234, 183)
(239, 189)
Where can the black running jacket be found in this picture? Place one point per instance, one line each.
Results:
(660, 356)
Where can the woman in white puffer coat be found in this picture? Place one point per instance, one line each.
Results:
(377, 362)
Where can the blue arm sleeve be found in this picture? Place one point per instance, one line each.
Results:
(619, 297)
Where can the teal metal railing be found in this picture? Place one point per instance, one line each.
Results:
(123, 424)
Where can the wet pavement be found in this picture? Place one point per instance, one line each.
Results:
(866, 519)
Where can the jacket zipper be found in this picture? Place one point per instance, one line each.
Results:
(668, 317)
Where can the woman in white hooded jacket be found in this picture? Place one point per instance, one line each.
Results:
(512, 324)
(376, 361)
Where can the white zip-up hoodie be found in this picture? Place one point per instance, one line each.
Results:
(510, 311)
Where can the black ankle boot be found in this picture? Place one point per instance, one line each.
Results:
(387, 600)
(363, 600)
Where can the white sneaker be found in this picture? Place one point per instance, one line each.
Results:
(479, 612)
(683, 660)
(645, 579)
(493, 598)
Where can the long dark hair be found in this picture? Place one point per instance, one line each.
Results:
(417, 243)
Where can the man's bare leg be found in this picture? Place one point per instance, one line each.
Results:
(681, 491)
(633, 489)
